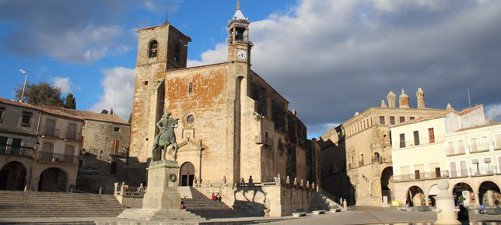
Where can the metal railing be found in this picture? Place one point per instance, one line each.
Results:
(16, 150)
(74, 136)
(50, 132)
(57, 158)
(421, 176)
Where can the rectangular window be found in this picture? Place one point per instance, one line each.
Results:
(190, 88)
(381, 120)
(26, 119)
(498, 142)
(402, 119)
(16, 146)
(116, 129)
(431, 135)
(417, 175)
(71, 131)
(462, 168)
(450, 148)
(473, 145)
(453, 170)
(2, 109)
(437, 172)
(69, 152)
(361, 159)
(460, 147)
(113, 168)
(3, 144)
(485, 143)
(412, 118)
(402, 140)
(115, 147)
(46, 154)
(392, 120)
(416, 137)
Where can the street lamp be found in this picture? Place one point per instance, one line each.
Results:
(24, 85)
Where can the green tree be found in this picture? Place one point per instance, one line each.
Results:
(70, 102)
(40, 94)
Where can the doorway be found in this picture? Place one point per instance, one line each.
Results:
(187, 174)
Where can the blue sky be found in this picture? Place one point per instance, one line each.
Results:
(329, 58)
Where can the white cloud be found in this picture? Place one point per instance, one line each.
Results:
(63, 83)
(218, 54)
(83, 46)
(118, 88)
(333, 58)
(494, 112)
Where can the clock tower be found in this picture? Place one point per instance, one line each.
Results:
(238, 37)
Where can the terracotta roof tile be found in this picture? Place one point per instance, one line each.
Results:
(70, 113)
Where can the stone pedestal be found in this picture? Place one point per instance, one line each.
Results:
(162, 191)
(161, 201)
(446, 212)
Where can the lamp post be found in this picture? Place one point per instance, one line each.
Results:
(24, 85)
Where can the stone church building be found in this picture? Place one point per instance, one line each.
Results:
(232, 123)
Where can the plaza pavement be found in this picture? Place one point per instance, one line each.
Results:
(354, 216)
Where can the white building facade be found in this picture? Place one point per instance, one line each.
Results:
(460, 146)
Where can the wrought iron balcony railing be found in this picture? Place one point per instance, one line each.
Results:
(73, 136)
(16, 150)
(57, 158)
(50, 132)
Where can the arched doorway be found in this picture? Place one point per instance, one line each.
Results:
(187, 174)
(462, 194)
(13, 176)
(415, 196)
(53, 179)
(385, 184)
(488, 193)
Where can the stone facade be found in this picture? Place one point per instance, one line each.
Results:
(365, 141)
(232, 124)
(105, 143)
(39, 147)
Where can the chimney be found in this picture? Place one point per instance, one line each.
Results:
(392, 98)
(403, 100)
(420, 98)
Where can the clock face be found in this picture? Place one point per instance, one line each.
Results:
(241, 54)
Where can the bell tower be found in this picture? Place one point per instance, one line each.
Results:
(239, 45)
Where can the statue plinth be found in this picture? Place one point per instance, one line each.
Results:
(162, 191)
(161, 202)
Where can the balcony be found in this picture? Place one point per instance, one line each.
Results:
(50, 132)
(421, 176)
(73, 136)
(57, 158)
(264, 140)
(16, 151)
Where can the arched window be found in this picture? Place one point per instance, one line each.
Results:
(153, 48)
(377, 158)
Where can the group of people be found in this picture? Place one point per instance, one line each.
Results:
(215, 197)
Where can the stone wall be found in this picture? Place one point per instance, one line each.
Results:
(100, 154)
(277, 198)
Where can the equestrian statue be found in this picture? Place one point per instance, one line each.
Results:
(165, 137)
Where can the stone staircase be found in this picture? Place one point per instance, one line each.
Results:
(16, 204)
(322, 201)
(201, 205)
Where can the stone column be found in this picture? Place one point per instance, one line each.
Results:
(162, 191)
(446, 212)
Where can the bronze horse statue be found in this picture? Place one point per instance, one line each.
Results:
(165, 137)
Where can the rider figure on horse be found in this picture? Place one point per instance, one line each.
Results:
(166, 135)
